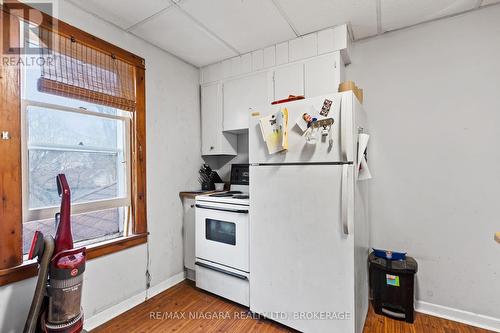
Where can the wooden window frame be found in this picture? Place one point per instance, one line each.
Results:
(12, 267)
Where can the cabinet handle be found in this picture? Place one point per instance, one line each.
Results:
(192, 206)
(212, 147)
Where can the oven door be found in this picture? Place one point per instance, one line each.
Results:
(222, 234)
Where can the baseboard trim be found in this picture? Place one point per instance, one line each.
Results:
(116, 310)
(466, 317)
(169, 283)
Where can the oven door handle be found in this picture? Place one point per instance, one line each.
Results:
(220, 270)
(239, 211)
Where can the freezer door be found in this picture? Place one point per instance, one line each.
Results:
(301, 260)
(339, 149)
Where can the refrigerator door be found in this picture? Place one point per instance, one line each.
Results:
(339, 149)
(301, 260)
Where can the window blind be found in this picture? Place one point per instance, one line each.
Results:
(78, 71)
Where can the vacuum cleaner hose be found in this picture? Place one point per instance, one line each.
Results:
(41, 285)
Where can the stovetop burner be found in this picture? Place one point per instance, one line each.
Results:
(237, 196)
(226, 194)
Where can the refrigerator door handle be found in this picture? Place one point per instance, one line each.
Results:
(345, 199)
(343, 132)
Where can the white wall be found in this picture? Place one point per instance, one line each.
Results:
(432, 95)
(173, 158)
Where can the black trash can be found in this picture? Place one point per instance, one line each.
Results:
(392, 285)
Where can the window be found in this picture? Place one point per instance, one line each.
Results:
(66, 131)
(82, 114)
(93, 150)
(88, 142)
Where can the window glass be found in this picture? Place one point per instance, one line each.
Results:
(91, 176)
(88, 149)
(100, 225)
(52, 127)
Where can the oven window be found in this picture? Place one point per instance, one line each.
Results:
(220, 231)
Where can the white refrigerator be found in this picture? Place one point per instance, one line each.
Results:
(309, 232)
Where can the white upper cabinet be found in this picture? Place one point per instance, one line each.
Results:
(242, 94)
(226, 105)
(213, 140)
(323, 74)
(287, 52)
(288, 80)
(209, 110)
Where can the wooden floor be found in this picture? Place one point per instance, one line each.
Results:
(171, 310)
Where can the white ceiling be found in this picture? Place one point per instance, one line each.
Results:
(173, 30)
(245, 25)
(123, 13)
(202, 32)
(402, 13)
(309, 16)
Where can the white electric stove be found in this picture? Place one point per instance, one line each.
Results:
(222, 239)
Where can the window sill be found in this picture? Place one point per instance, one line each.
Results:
(30, 269)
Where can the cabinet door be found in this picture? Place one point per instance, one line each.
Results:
(289, 80)
(209, 118)
(189, 233)
(323, 75)
(213, 140)
(240, 95)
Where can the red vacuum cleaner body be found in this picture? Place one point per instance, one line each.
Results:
(60, 311)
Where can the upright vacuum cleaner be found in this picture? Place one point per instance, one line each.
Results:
(56, 304)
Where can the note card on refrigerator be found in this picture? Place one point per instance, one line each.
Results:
(274, 130)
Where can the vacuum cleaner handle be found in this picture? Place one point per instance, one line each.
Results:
(59, 182)
(36, 304)
(63, 238)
